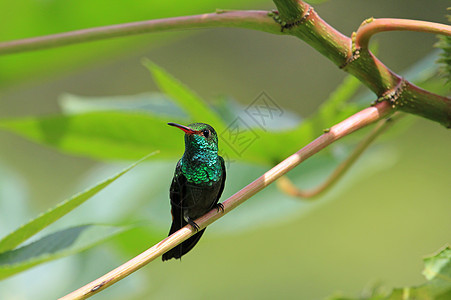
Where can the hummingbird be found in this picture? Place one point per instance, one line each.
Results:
(197, 184)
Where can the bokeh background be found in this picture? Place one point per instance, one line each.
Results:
(372, 229)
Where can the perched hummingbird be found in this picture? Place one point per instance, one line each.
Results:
(197, 184)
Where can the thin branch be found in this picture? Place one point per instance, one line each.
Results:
(373, 26)
(287, 186)
(258, 20)
(351, 124)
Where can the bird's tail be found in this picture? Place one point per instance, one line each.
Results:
(183, 248)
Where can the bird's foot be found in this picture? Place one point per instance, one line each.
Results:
(219, 207)
(193, 224)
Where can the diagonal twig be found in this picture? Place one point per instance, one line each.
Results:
(340, 130)
(287, 186)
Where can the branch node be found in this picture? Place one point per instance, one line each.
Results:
(354, 56)
(99, 286)
(394, 95)
(272, 13)
(284, 25)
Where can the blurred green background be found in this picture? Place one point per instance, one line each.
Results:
(369, 230)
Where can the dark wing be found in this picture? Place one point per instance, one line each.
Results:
(177, 189)
(221, 188)
(177, 192)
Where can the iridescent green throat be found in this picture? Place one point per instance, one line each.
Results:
(200, 163)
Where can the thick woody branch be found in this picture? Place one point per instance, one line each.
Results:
(346, 53)
(351, 124)
(314, 30)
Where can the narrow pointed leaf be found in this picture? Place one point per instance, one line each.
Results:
(53, 246)
(337, 102)
(154, 103)
(191, 103)
(99, 135)
(29, 229)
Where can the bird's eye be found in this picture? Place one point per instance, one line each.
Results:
(206, 133)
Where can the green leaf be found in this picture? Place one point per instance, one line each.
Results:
(438, 266)
(53, 246)
(101, 135)
(271, 146)
(437, 271)
(156, 103)
(334, 110)
(27, 230)
(339, 100)
(191, 103)
(337, 103)
(130, 135)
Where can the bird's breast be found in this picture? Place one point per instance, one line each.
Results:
(202, 172)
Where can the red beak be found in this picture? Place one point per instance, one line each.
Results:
(186, 129)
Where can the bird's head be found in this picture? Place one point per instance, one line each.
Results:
(199, 137)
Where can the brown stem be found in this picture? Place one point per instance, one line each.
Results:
(373, 26)
(287, 186)
(351, 124)
(315, 31)
(258, 20)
